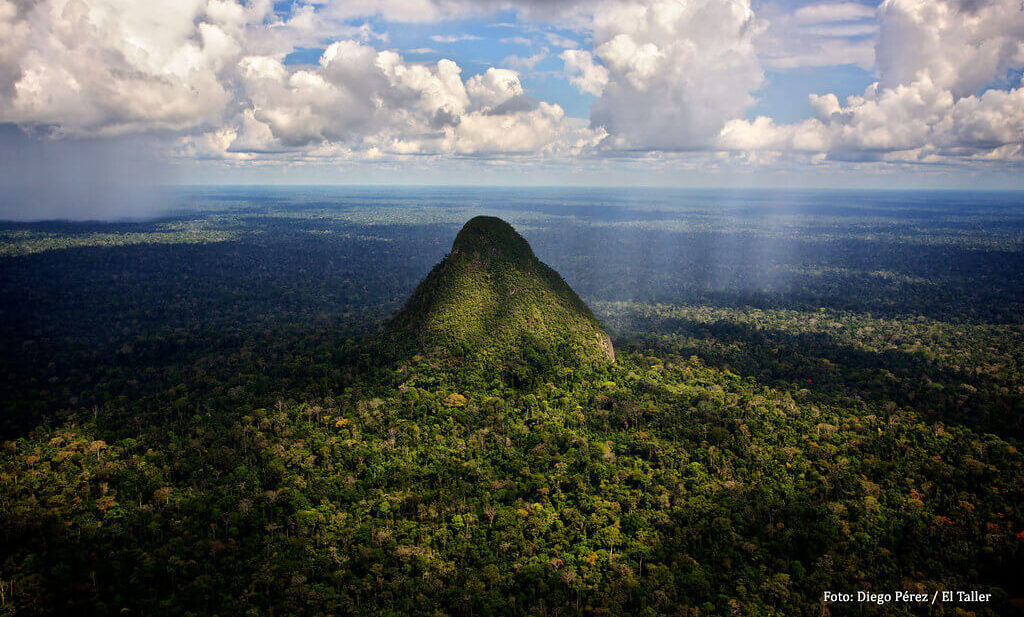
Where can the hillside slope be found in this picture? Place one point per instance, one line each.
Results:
(491, 296)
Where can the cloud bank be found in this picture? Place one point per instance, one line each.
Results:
(210, 80)
(935, 59)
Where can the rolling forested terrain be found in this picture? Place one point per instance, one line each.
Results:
(201, 415)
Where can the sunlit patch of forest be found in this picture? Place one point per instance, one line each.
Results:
(812, 391)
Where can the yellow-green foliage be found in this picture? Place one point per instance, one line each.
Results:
(491, 296)
(16, 243)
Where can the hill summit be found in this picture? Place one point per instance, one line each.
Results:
(491, 296)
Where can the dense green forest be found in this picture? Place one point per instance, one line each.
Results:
(204, 415)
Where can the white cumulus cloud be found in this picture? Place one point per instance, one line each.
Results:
(674, 70)
(214, 72)
(935, 60)
(361, 98)
(666, 75)
(110, 67)
(583, 72)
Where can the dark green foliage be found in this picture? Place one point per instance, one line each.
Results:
(492, 302)
(212, 428)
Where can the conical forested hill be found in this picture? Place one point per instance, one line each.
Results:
(492, 297)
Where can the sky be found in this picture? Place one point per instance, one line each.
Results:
(110, 94)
